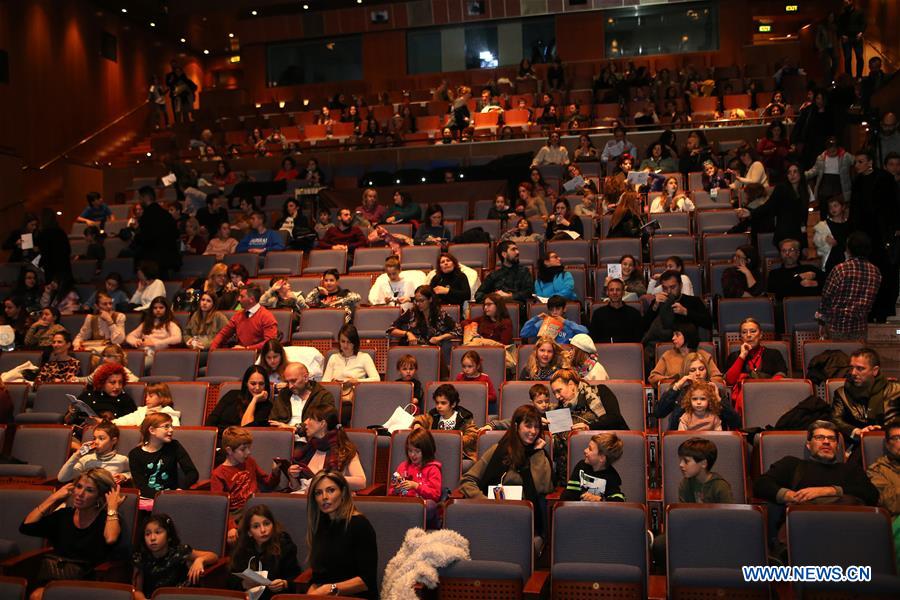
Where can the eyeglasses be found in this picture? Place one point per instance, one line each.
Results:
(823, 438)
(894, 438)
(790, 250)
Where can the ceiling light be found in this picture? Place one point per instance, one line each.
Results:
(231, 35)
(306, 7)
(205, 51)
(152, 24)
(253, 13)
(183, 40)
(359, 1)
(149, 154)
(281, 104)
(124, 10)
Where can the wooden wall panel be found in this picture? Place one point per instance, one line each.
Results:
(579, 36)
(384, 57)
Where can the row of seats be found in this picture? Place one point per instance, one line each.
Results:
(45, 447)
(500, 535)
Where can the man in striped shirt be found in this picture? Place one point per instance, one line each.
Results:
(850, 291)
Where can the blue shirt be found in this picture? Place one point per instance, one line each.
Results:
(569, 329)
(268, 240)
(561, 285)
(101, 213)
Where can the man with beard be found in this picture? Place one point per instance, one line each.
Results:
(346, 236)
(820, 479)
(884, 473)
(616, 321)
(510, 280)
(292, 404)
(867, 400)
(670, 308)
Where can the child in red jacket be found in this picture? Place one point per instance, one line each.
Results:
(420, 474)
(471, 371)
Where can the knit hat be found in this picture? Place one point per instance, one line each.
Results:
(583, 342)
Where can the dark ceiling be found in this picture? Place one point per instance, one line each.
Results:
(205, 24)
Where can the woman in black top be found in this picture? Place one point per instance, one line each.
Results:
(29, 289)
(788, 206)
(230, 408)
(743, 279)
(264, 546)
(626, 219)
(449, 283)
(154, 464)
(343, 552)
(83, 533)
(563, 220)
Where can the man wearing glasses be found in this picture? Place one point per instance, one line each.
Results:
(867, 400)
(820, 479)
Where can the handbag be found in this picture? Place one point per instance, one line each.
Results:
(400, 419)
(54, 567)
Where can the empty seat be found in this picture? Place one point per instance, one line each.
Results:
(677, 223)
(622, 360)
(611, 250)
(227, 365)
(174, 365)
(420, 257)
(490, 226)
(43, 448)
(374, 321)
(270, 443)
(477, 256)
(369, 259)
(50, 403)
(366, 442)
(706, 563)
(282, 263)
(664, 246)
(865, 539)
(618, 565)
(872, 447)
(200, 444)
(500, 538)
(730, 463)
(765, 400)
(13, 588)
(83, 590)
(375, 402)
(631, 466)
(716, 221)
(322, 260)
(734, 310)
(189, 398)
(320, 323)
(800, 314)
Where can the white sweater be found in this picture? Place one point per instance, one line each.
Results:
(144, 297)
(360, 367)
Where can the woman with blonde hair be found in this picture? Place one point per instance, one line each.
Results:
(343, 551)
(697, 366)
(80, 520)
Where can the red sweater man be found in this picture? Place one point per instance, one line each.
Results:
(253, 326)
(345, 236)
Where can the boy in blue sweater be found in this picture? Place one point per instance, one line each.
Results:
(556, 307)
(260, 239)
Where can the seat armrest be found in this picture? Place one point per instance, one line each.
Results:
(301, 582)
(456, 495)
(657, 589)
(555, 494)
(216, 575)
(376, 489)
(534, 587)
(654, 495)
(24, 565)
(203, 484)
(117, 571)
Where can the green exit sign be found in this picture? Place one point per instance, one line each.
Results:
(765, 28)
(791, 8)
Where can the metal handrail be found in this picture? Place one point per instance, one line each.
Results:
(87, 139)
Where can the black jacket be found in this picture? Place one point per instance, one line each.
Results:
(787, 209)
(794, 474)
(157, 239)
(458, 284)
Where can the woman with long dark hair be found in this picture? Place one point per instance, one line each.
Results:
(426, 323)
(518, 459)
(494, 325)
(449, 283)
(264, 545)
(57, 365)
(230, 408)
(788, 206)
(343, 551)
(299, 231)
(743, 279)
(158, 329)
(204, 324)
(327, 448)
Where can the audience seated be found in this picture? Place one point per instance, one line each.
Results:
(394, 286)
(866, 401)
(251, 327)
(327, 449)
(615, 321)
(163, 561)
(331, 295)
(156, 462)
